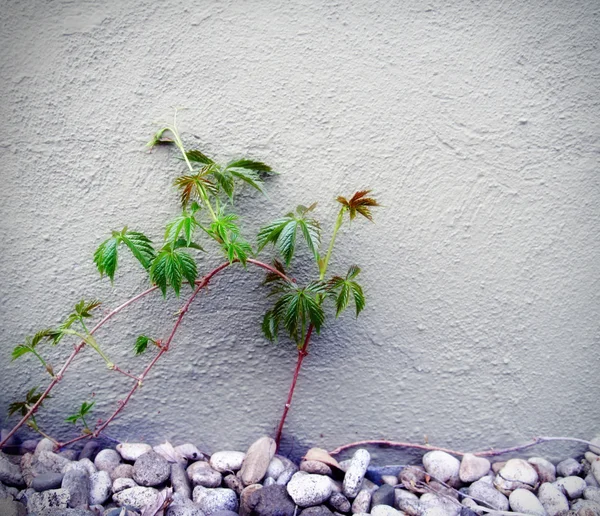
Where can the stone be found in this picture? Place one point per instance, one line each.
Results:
(384, 510)
(10, 474)
(77, 483)
(590, 480)
(120, 484)
(118, 511)
(180, 481)
(47, 481)
(189, 451)
(28, 446)
(107, 460)
(552, 499)
(100, 487)
(595, 446)
(516, 473)
(69, 454)
(339, 502)
(137, 497)
(497, 466)
(268, 481)
(522, 500)
(89, 450)
(182, 506)
(441, 465)
(412, 475)
(316, 510)
(356, 473)
(485, 491)
(585, 508)
(472, 468)
(151, 469)
(391, 480)
(132, 451)
(12, 445)
(82, 465)
(307, 489)
(406, 498)
(383, 496)
(591, 457)
(257, 460)
(213, 500)
(595, 470)
(26, 468)
(67, 512)
(362, 502)
(234, 482)
(433, 503)
(44, 444)
(10, 507)
(248, 500)
(544, 468)
(54, 498)
(569, 467)
(275, 468)
(122, 471)
(315, 466)
(201, 474)
(592, 493)
(290, 468)
(227, 461)
(49, 462)
(572, 486)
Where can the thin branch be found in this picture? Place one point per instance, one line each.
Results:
(119, 370)
(485, 453)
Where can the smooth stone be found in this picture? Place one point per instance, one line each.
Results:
(44, 444)
(268, 481)
(568, 468)
(595, 446)
(591, 457)
(275, 468)
(572, 486)
(362, 502)
(182, 506)
(66, 512)
(122, 471)
(595, 470)
(441, 465)
(585, 508)
(81, 465)
(383, 496)
(132, 451)
(118, 511)
(257, 460)
(336, 486)
(28, 446)
(10, 474)
(180, 481)
(472, 468)
(356, 473)
(213, 500)
(406, 498)
(100, 487)
(77, 483)
(522, 500)
(137, 497)
(54, 498)
(49, 462)
(307, 489)
(486, 492)
(411, 476)
(248, 501)
(190, 451)
(290, 468)
(516, 473)
(107, 460)
(552, 499)
(69, 454)
(120, 484)
(590, 480)
(434, 503)
(592, 493)
(390, 480)
(89, 450)
(151, 469)
(26, 469)
(545, 469)
(339, 502)
(227, 461)
(201, 474)
(316, 510)
(234, 482)
(316, 467)
(47, 481)
(10, 507)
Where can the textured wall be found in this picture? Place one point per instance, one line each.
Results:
(477, 126)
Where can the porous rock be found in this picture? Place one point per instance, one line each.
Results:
(54, 498)
(307, 489)
(132, 451)
(107, 460)
(485, 491)
(552, 499)
(213, 500)
(137, 497)
(151, 469)
(100, 487)
(356, 473)
(10, 474)
(201, 474)
(77, 483)
(227, 461)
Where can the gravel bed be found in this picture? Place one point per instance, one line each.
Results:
(136, 479)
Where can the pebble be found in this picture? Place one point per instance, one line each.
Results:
(121, 484)
(316, 510)
(189, 451)
(516, 473)
(356, 473)
(585, 508)
(77, 483)
(234, 482)
(522, 500)
(213, 500)
(201, 474)
(47, 481)
(107, 460)
(362, 502)
(89, 450)
(182, 506)
(248, 500)
(552, 499)
(10, 474)
(544, 468)
(384, 510)
(595, 446)
(100, 487)
(472, 468)
(151, 469)
(122, 471)
(316, 467)
(383, 496)
(441, 465)
(227, 461)
(44, 444)
(10, 507)
(483, 490)
(257, 460)
(339, 502)
(433, 503)
(289, 470)
(180, 481)
(49, 462)
(307, 489)
(572, 486)
(569, 467)
(132, 451)
(592, 493)
(137, 497)
(276, 468)
(595, 470)
(54, 498)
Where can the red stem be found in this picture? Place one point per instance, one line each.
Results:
(302, 352)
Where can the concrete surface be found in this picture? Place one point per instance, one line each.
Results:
(476, 125)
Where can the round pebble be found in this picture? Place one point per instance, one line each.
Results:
(441, 465)
(307, 489)
(227, 461)
(151, 469)
(132, 451)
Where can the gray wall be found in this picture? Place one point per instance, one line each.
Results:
(476, 125)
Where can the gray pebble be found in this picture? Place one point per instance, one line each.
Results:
(383, 496)
(69, 454)
(10, 507)
(49, 462)
(44, 444)
(544, 468)
(182, 506)
(595, 470)
(485, 491)
(107, 460)
(307, 489)
(268, 481)
(201, 474)
(362, 502)
(592, 493)
(132, 451)
(234, 482)
(590, 480)
(189, 451)
(213, 500)
(227, 461)
(289, 470)
(275, 468)
(339, 502)
(137, 497)
(356, 473)
(77, 483)
(572, 486)
(28, 446)
(122, 471)
(472, 468)
(180, 481)
(552, 499)
(316, 510)
(120, 484)
(100, 487)
(151, 469)
(89, 450)
(595, 446)
(54, 498)
(441, 465)
(10, 474)
(516, 473)
(586, 508)
(569, 467)
(522, 500)
(47, 481)
(386, 510)
(268, 501)
(316, 467)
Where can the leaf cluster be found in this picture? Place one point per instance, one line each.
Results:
(359, 203)
(83, 411)
(31, 398)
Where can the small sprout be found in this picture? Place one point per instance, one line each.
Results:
(80, 414)
(141, 343)
(359, 203)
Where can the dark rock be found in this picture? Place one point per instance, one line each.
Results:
(339, 502)
(10, 474)
(66, 512)
(383, 496)
(9, 507)
(151, 469)
(13, 445)
(569, 467)
(271, 501)
(47, 481)
(116, 511)
(89, 450)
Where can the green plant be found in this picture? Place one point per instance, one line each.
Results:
(207, 192)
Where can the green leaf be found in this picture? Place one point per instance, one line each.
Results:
(270, 326)
(20, 350)
(141, 344)
(158, 139)
(18, 406)
(140, 245)
(198, 157)
(83, 309)
(184, 224)
(249, 177)
(225, 181)
(343, 288)
(170, 267)
(224, 226)
(105, 257)
(249, 164)
(194, 187)
(86, 407)
(236, 248)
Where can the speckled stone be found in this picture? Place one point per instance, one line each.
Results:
(545, 469)
(77, 483)
(10, 474)
(47, 481)
(339, 502)
(122, 471)
(472, 468)
(441, 465)
(100, 487)
(572, 486)
(485, 491)
(54, 498)
(201, 474)
(307, 489)
(137, 497)
(213, 500)
(522, 500)
(356, 473)
(227, 461)
(552, 499)
(151, 469)
(132, 451)
(362, 502)
(107, 460)
(316, 467)
(120, 484)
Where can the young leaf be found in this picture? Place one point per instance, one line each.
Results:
(196, 156)
(140, 245)
(158, 139)
(270, 326)
(83, 309)
(106, 256)
(31, 343)
(343, 288)
(359, 203)
(141, 343)
(272, 277)
(236, 248)
(184, 224)
(20, 350)
(170, 267)
(224, 226)
(194, 187)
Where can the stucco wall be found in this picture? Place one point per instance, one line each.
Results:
(475, 123)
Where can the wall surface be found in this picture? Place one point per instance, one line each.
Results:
(477, 126)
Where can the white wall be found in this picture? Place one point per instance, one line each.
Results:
(476, 124)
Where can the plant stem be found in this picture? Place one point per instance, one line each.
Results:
(57, 377)
(41, 359)
(302, 352)
(338, 224)
(484, 453)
